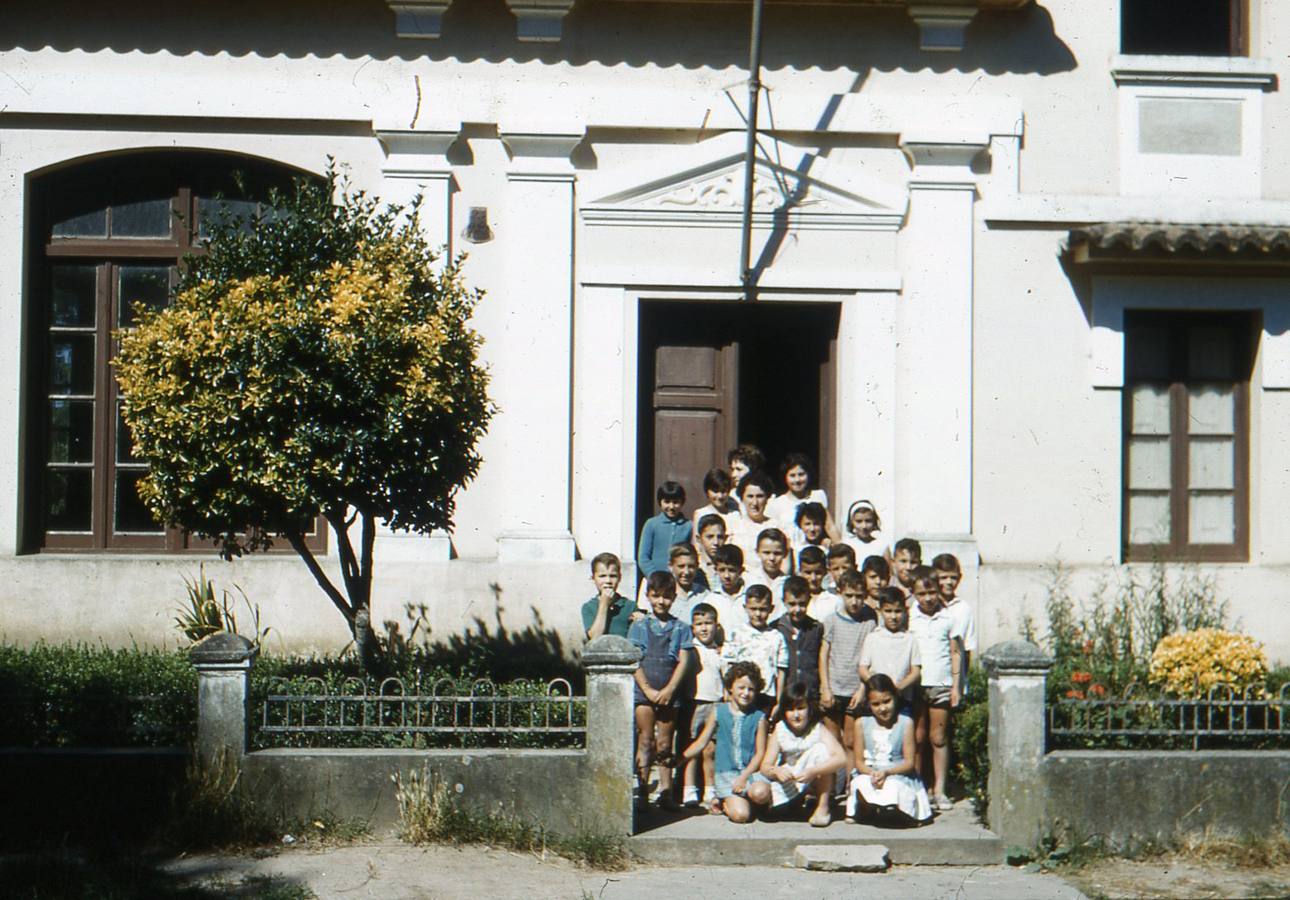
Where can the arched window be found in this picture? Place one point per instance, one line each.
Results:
(107, 237)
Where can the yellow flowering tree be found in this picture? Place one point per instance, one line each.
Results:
(313, 362)
(1191, 663)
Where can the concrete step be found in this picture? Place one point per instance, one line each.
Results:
(842, 858)
(954, 838)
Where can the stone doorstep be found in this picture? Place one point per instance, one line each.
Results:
(842, 858)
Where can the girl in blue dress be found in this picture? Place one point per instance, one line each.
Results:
(884, 789)
(740, 731)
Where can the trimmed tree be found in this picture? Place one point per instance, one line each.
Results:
(313, 363)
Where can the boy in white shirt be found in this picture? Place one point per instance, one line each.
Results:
(933, 626)
(840, 558)
(708, 692)
(760, 644)
(717, 484)
(728, 598)
(891, 649)
(811, 566)
(772, 551)
(948, 576)
(709, 534)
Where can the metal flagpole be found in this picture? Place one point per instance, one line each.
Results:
(750, 163)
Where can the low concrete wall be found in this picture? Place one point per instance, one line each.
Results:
(1128, 797)
(544, 787)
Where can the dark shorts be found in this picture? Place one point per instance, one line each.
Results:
(937, 696)
(840, 707)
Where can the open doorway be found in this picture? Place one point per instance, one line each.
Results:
(713, 375)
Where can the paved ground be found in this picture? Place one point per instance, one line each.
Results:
(393, 871)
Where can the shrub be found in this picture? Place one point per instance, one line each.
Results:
(971, 741)
(1191, 663)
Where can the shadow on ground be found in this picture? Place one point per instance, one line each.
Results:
(70, 876)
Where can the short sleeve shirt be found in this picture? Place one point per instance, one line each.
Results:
(964, 624)
(846, 637)
(679, 636)
(933, 633)
(765, 649)
(891, 653)
(620, 610)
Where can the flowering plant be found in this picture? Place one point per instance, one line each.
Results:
(1191, 663)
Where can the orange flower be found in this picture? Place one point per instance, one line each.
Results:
(1097, 690)
(1075, 695)
(1081, 677)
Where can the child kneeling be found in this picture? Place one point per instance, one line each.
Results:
(884, 789)
(740, 731)
(802, 756)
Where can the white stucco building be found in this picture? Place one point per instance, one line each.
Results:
(1024, 277)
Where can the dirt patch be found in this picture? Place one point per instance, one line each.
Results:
(1123, 879)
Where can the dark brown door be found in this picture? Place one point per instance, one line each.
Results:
(695, 387)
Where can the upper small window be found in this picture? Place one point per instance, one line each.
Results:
(1184, 27)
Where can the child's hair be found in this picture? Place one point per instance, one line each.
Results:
(758, 592)
(796, 586)
(679, 550)
(946, 562)
(849, 579)
(800, 694)
(748, 454)
(718, 481)
(756, 478)
(811, 556)
(910, 546)
(605, 559)
(882, 683)
(661, 584)
(923, 575)
(743, 669)
(864, 504)
(842, 551)
(811, 510)
(878, 566)
(772, 534)
(728, 555)
(708, 521)
(703, 609)
(792, 461)
(889, 595)
(671, 490)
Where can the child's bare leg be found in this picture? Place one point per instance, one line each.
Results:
(759, 793)
(644, 745)
(920, 742)
(664, 728)
(737, 809)
(709, 766)
(938, 733)
(821, 787)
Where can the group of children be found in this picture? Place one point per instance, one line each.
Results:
(775, 669)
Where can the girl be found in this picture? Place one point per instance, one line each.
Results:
(883, 789)
(798, 473)
(811, 518)
(802, 755)
(740, 730)
(862, 523)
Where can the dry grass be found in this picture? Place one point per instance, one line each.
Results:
(1245, 852)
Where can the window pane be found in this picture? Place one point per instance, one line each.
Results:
(1148, 352)
(73, 292)
(1149, 519)
(1209, 352)
(71, 431)
(71, 364)
(1211, 409)
(1149, 463)
(146, 218)
(90, 224)
(1211, 519)
(211, 210)
(1150, 409)
(148, 286)
(1211, 463)
(67, 499)
(131, 514)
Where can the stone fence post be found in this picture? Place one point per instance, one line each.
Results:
(223, 661)
(1018, 673)
(610, 662)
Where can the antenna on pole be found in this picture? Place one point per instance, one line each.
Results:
(750, 151)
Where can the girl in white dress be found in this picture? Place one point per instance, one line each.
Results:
(862, 523)
(799, 478)
(884, 790)
(801, 756)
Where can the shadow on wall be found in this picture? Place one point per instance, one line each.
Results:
(594, 32)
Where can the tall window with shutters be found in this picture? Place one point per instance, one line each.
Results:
(1186, 436)
(108, 239)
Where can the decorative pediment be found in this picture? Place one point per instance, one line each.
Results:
(710, 195)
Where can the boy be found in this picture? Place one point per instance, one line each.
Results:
(891, 649)
(907, 556)
(840, 558)
(802, 635)
(939, 692)
(717, 484)
(728, 598)
(683, 564)
(667, 651)
(710, 534)
(811, 566)
(772, 550)
(754, 493)
(760, 644)
(664, 530)
(875, 575)
(845, 634)
(707, 694)
(608, 612)
(948, 576)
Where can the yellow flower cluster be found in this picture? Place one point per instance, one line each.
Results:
(1191, 663)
